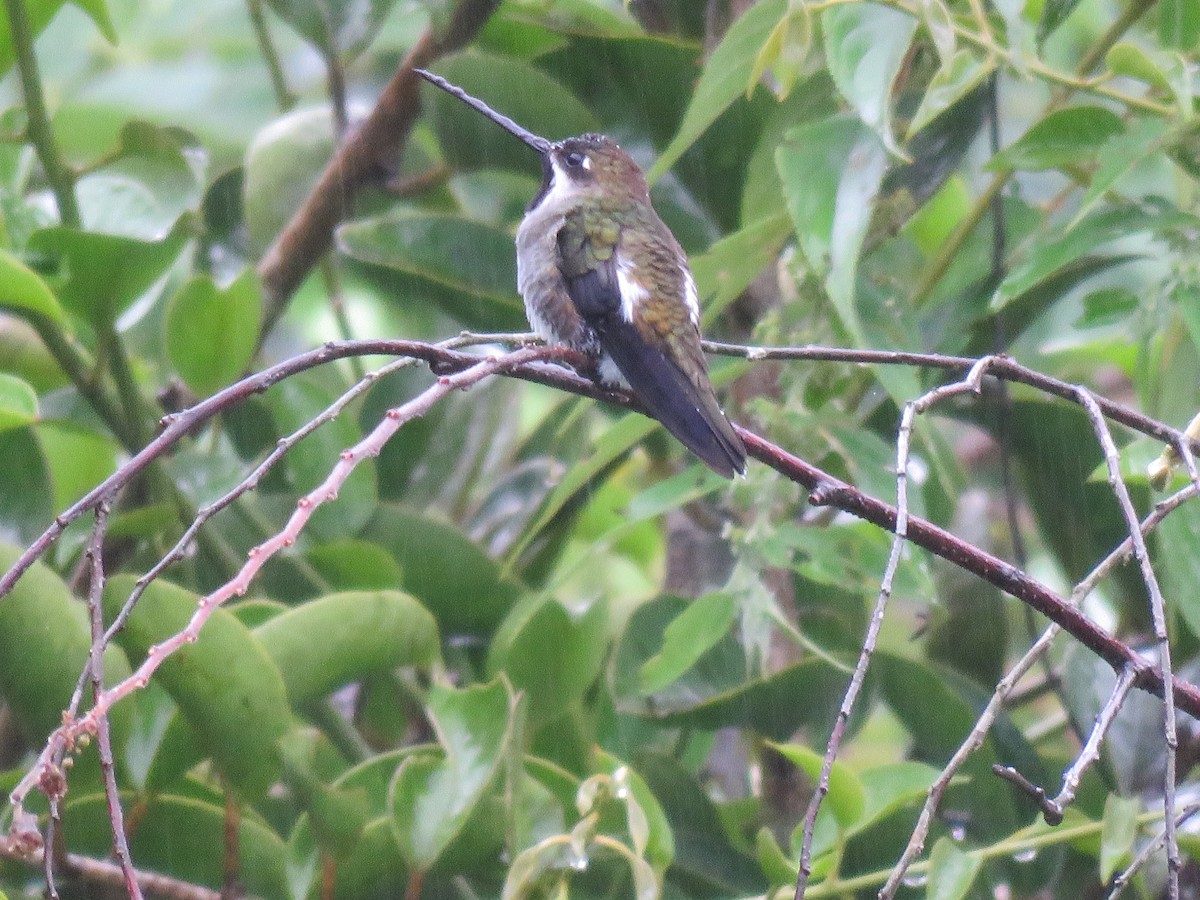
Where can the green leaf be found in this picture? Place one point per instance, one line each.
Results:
(549, 655)
(145, 184)
(102, 274)
(24, 292)
(40, 13)
(891, 787)
(1054, 13)
(730, 265)
(951, 871)
(847, 797)
(430, 801)
(956, 78)
(1128, 59)
(1053, 252)
(1107, 306)
(687, 638)
(78, 457)
(784, 52)
(293, 404)
(26, 491)
(211, 333)
(227, 687)
(644, 813)
(172, 832)
(45, 637)
(455, 580)
(326, 643)
(612, 445)
(336, 30)
(283, 163)
(467, 268)
(724, 80)
(1063, 139)
(1117, 835)
(351, 565)
(18, 403)
(831, 173)
(865, 46)
(1118, 157)
(717, 691)
(1179, 25)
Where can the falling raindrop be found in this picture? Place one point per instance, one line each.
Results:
(915, 881)
(1025, 856)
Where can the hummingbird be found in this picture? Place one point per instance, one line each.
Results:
(600, 272)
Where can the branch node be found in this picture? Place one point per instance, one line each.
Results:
(1051, 811)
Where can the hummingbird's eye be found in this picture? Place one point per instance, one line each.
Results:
(575, 160)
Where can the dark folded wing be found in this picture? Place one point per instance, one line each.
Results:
(687, 409)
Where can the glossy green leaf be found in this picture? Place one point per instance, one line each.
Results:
(1063, 139)
(517, 89)
(18, 403)
(212, 332)
(324, 644)
(23, 291)
(784, 51)
(725, 78)
(467, 268)
(78, 459)
(355, 566)
(170, 831)
(451, 576)
(342, 29)
(430, 801)
(865, 46)
(1118, 834)
(100, 275)
(703, 853)
(45, 637)
(890, 787)
(549, 655)
(226, 685)
(687, 638)
(951, 871)
(847, 798)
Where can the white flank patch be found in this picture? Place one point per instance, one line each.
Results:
(632, 292)
(690, 297)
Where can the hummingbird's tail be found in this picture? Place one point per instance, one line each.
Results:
(686, 406)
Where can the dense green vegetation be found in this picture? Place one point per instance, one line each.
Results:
(534, 649)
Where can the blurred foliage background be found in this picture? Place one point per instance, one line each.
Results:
(533, 647)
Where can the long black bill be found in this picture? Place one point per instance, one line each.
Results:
(540, 144)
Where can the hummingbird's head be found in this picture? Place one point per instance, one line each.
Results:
(591, 164)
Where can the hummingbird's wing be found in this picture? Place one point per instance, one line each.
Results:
(651, 334)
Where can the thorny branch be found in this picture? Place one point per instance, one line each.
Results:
(460, 369)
